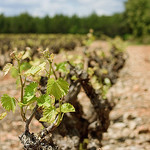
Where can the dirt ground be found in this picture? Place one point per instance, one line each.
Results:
(130, 119)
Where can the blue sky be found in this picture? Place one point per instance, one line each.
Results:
(68, 7)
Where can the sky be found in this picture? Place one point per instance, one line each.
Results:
(67, 7)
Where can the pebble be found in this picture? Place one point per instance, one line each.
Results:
(132, 125)
(128, 116)
(126, 132)
(119, 125)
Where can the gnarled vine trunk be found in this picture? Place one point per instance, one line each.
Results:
(75, 128)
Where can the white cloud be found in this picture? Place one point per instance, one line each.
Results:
(85, 1)
(67, 7)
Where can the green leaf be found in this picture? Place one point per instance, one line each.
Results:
(29, 94)
(7, 68)
(95, 83)
(50, 84)
(45, 100)
(105, 89)
(3, 115)
(49, 114)
(67, 108)
(8, 102)
(90, 71)
(25, 66)
(22, 104)
(107, 81)
(14, 72)
(27, 54)
(80, 65)
(62, 67)
(57, 88)
(64, 85)
(18, 83)
(74, 77)
(104, 71)
(35, 69)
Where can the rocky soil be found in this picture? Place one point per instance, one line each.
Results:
(130, 119)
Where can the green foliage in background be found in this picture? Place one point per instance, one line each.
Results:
(135, 20)
(25, 23)
(138, 16)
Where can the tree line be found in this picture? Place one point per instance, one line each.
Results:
(134, 20)
(25, 23)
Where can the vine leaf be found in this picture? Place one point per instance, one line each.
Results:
(45, 100)
(49, 114)
(8, 102)
(57, 88)
(107, 81)
(3, 115)
(27, 54)
(7, 68)
(35, 69)
(14, 72)
(66, 107)
(25, 66)
(62, 67)
(29, 93)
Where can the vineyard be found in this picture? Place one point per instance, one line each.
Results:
(68, 93)
(54, 42)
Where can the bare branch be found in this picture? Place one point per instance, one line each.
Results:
(28, 121)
